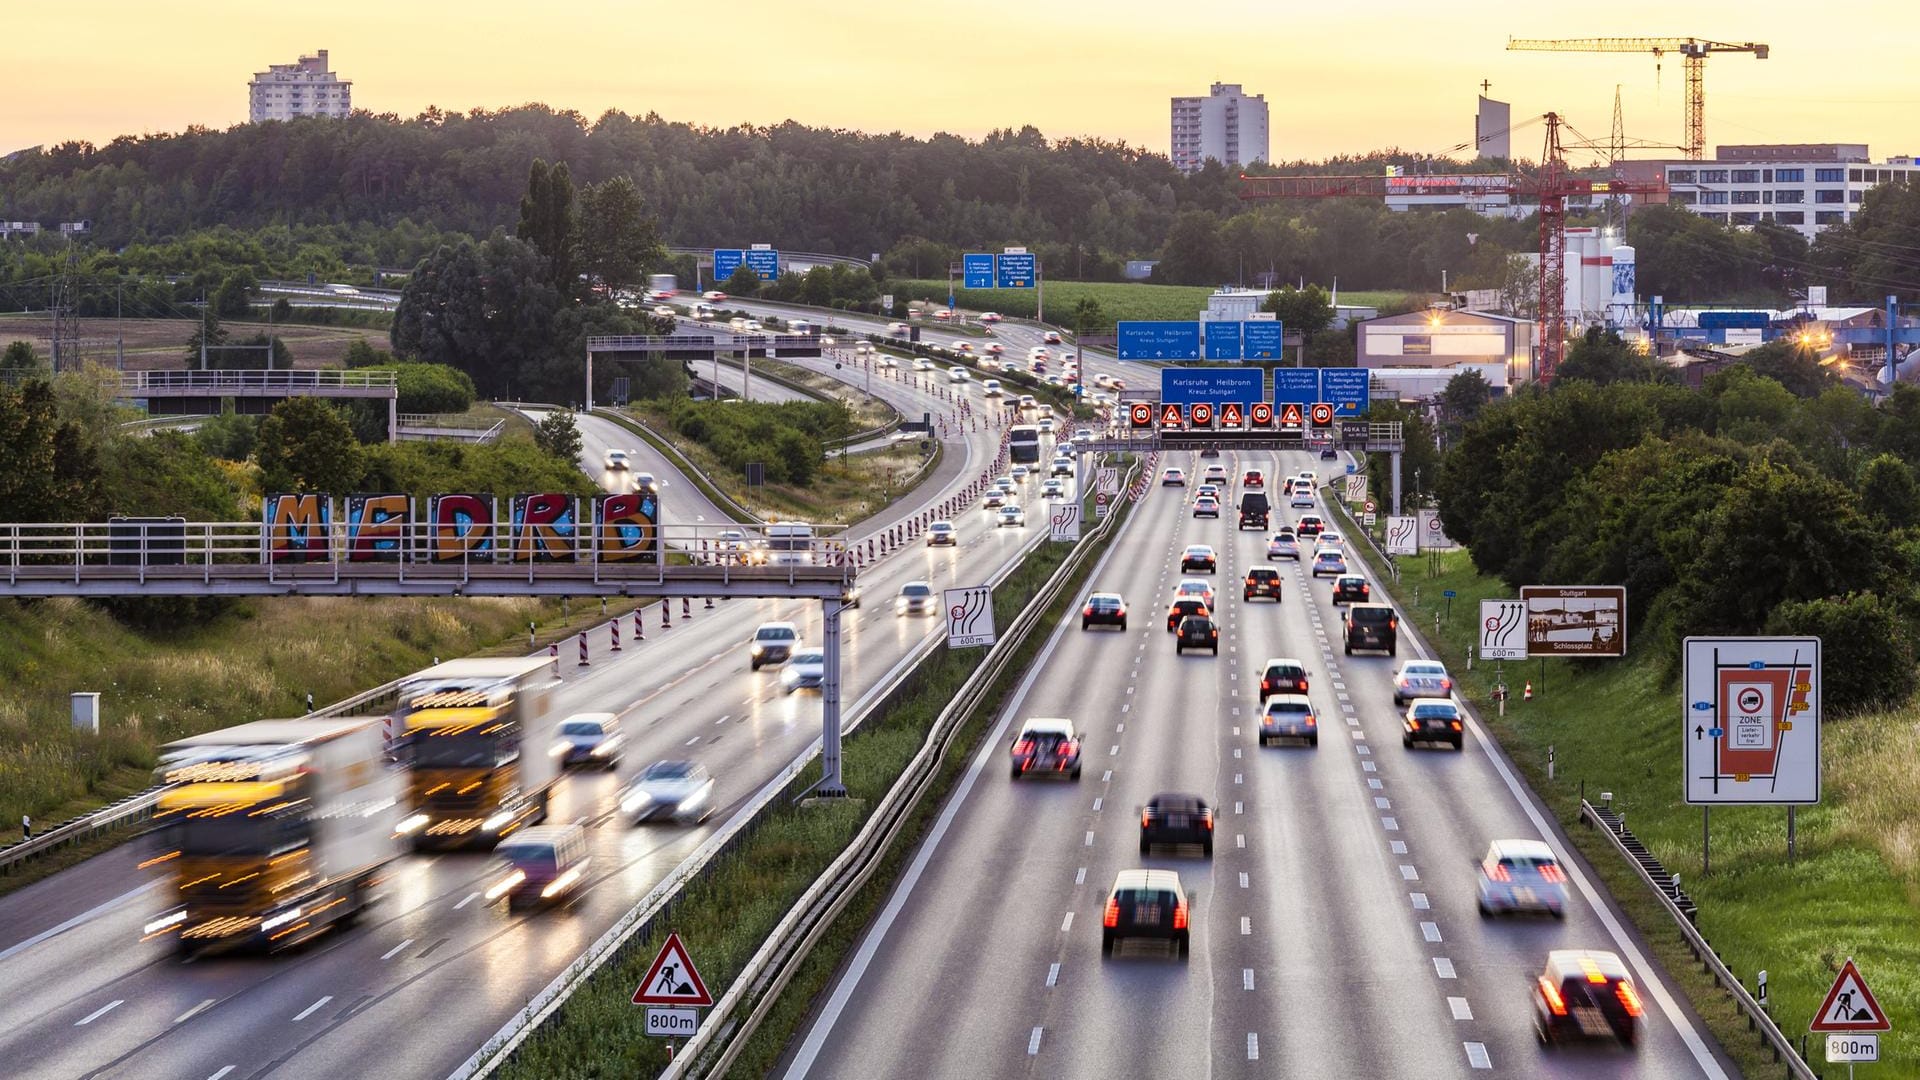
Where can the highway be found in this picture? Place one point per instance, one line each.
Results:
(1335, 930)
(432, 971)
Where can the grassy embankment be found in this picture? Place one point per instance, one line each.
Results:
(1853, 890)
(1118, 299)
(726, 914)
(162, 343)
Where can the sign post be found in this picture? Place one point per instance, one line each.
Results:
(1851, 1019)
(673, 992)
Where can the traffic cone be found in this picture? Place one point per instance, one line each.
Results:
(583, 649)
(1527, 692)
(666, 614)
(639, 629)
(615, 627)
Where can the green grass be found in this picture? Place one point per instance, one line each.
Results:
(1614, 725)
(726, 914)
(1119, 300)
(869, 412)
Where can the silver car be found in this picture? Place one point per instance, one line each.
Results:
(588, 739)
(1011, 514)
(806, 671)
(1329, 561)
(1289, 716)
(680, 791)
(1522, 875)
(1283, 546)
(1421, 678)
(916, 598)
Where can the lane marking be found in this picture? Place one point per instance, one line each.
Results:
(193, 1012)
(1066, 924)
(1243, 879)
(1374, 783)
(1096, 805)
(1053, 974)
(1089, 837)
(1408, 873)
(1419, 901)
(1443, 967)
(693, 740)
(1477, 1056)
(1246, 978)
(1115, 750)
(470, 898)
(1033, 1044)
(224, 1070)
(1369, 766)
(389, 954)
(1238, 807)
(1430, 931)
(1253, 1047)
(1381, 802)
(1106, 777)
(311, 1009)
(1246, 926)
(1398, 847)
(1236, 752)
(1461, 1010)
(90, 913)
(1238, 778)
(99, 1012)
(1390, 824)
(1080, 877)
(1239, 840)
(722, 720)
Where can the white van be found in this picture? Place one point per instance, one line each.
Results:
(990, 388)
(788, 543)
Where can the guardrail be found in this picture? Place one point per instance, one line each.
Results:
(218, 382)
(773, 965)
(1391, 562)
(687, 468)
(1758, 1020)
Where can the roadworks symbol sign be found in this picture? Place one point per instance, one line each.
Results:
(672, 979)
(1850, 1006)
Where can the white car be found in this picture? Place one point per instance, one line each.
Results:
(678, 790)
(1421, 678)
(1173, 478)
(942, 534)
(713, 294)
(994, 348)
(1051, 337)
(899, 329)
(1039, 352)
(665, 312)
(1302, 499)
(1046, 425)
(806, 671)
(957, 374)
(921, 363)
(753, 326)
(1053, 489)
(990, 316)
(1003, 484)
(887, 362)
(990, 388)
(916, 598)
(1019, 472)
(616, 459)
(1011, 514)
(1329, 538)
(1522, 875)
(1083, 435)
(943, 314)
(1062, 466)
(1102, 379)
(1194, 588)
(590, 738)
(963, 346)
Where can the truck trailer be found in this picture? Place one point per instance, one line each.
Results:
(273, 831)
(464, 731)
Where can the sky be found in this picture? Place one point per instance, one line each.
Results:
(1338, 78)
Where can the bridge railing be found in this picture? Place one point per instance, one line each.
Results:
(142, 383)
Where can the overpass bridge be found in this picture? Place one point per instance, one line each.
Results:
(201, 393)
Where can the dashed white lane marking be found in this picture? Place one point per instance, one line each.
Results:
(1080, 876)
(1124, 709)
(1339, 685)
(193, 1012)
(1369, 766)
(1239, 807)
(224, 1070)
(1430, 931)
(391, 953)
(99, 1012)
(1477, 1055)
(1253, 1047)
(1374, 783)
(693, 740)
(1353, 722)
(1399, 847)
(1239, 840)
(1119, 729)
(1363, 749)
(1246, 926)
(1246, 978)
(1345, 708)
(1033, 1043)
(1107, 776)
(1461, 1010)
(1066, 924)
(1243, 879)
(1129, 689)
(1381, 802)
(1390, 824)
(1236, 729)
(1419, 901)
(470, 898)
(1236, 751)
(1114, 750)
(1239, 778)
(1443, 967)
(311, 1009)
(1236, 710)
(1342, 697)
(1408, 873)
(1089, 837)
(722, 720)
(1053, 974)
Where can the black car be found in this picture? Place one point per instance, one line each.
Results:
(1146, 904)
(1351, 589)
(1371, 626)
(1282, 675)
(1171, 818)
(1586, 994)
(1104, 609)
(1197, 632)
(1433, 720)
(1262, 581)
(1183, 608)
(1254, 509)
(1198, 557)
(1328, 454)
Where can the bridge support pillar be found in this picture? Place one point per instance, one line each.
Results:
(589, 388)
(830, 783)
(1395, 458)
(393, 419)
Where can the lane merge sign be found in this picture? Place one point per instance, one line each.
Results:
(1503, 627)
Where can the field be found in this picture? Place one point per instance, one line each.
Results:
(1119, 300)
(162, 343)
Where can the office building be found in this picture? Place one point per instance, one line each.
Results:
(1491, 124)
(1804, 186)
(306, 88)
(1227, 125)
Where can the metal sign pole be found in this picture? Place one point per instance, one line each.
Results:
(1706, 842)
(1790, 837)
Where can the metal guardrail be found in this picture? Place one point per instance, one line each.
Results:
(773, 965)
(1758, 1019)
(687, 468)
(217, 382)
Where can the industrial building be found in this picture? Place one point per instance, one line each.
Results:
(305, 88)
(1415, 354)
(1804, 186)
(1228, 126)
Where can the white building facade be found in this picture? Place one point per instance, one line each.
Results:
(1227, 125)
(1805, 187)
(305, 88)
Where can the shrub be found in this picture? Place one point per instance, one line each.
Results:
(1865, 658)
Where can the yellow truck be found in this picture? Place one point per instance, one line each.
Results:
(273, 831)
(465, 732)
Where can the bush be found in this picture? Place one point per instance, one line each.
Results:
(433, 388)
(1865, 658)
(786, 437)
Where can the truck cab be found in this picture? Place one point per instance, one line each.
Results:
(462, 733)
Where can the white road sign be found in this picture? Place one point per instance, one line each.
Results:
(1851, 1048)
(1432, 535)
(1107, 480)
(1356, 488)
(1503, 628)
(1063, 520)
(1751, 712)
(1403, 536)
(969, 617)
(673, 1023)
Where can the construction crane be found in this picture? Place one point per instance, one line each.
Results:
(1553, 184)
(1695, 51)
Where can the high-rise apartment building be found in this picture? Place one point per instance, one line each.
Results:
(307, 88)
(1227, 125)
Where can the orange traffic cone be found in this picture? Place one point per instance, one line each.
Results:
(1527, 693)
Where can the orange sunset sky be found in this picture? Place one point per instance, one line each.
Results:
(1338, 77)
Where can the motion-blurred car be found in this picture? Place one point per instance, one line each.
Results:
(665, 312)
(1329, 561)
(1432, 720)
(1173, 477)
(922, 364)
(681, 791)
(773, 643)
(1104, 609)
(1053, 489)
(1421, 678)
(1083, 435)
(616, 459)
(716, 295)
(1289, 716)
(1586, 994)
(942, 534)
(1282, 545)
(1261, 581)
(1197, 632)
(916, 598)
(545, 864)
(1172, 819)
(1062, 465)
(1199, 557)
(645, 481)
(990, 316)
(1522, 875)
(994, 348)
(1011, 514)
(994, 500)
(1182, 609)
(1351, 589)
(1019, 473)
(1046, 746)
(591, 738)
(806, 671)
(1146, 904)
(1051, 337)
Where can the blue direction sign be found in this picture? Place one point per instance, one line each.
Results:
(1223, 340)
(1158, 340)
(1015, 271)
(977, 269)
(1346, 389)
(1212, 386)
(1296, 386)
(1260, 340)
(725, 262)
(764, 262)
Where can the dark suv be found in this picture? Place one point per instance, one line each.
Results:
(1197, 632)
(1174, 818)
(1262, 581)
(1254, 509)
(1585, 993)
(1372, 626)
(1146, 904)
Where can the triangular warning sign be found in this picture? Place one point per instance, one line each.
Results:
(1170, 415)
(1230, 415)
(1850, 1005)
(672, 980)
(1290, 416)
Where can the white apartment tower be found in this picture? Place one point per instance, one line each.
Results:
(1227, 125)
(307, 88)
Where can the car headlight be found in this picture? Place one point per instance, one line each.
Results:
(636, 801)
(505, 885)
(495, 822)
(602, 749)
(757, 650)
(413, 823)
(559, 748)
(281, 919)
(165, 922)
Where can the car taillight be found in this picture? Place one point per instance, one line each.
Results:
(1112, 916)
(1548, 992)
(1146, 818)
(1206, 818)
(1629, 998)
(1498, 872)
(1552, 873)
(1266, 687)
(1366, 590)
(1024, 746)
(1456, 725)
(1088, 610)
(1593, 973)
(1303, 686)
(1309, 721)
(1393, 624)
(1179, 916)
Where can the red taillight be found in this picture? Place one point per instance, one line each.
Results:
(1456, 725)
(1393, 624)
(1366, 590)
(1266, 687)
(1498, 872)
(1629, 998)
(1206, 819)
(1446, 684)
(1553, 873)
(1023, 747)
(1112, 916)
(1146, 818)
(1303, 686)
(1310, 721)
(1088, 610)
(1179, 916)
(1548, 992)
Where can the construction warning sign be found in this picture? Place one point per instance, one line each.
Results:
(672, 979)
(1231, 416)
(1751, 721)
(1291, 418)
(1849, 1006)
(1170, 415)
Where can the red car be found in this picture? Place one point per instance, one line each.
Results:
(1254, 479)
(1045, 746)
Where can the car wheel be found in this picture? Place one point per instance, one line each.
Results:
(1313, 740)
(1123, 626)
(755, 665)
(1207, 849)
(1146, 845)
(1398, 701)
(1459, 744)
(1246, 598)
(1349, 649)
(1390, 650)
(1485, 911)
(1559, 913)
(1106, 944)
(1016, 772)
(1406, 741)
(1076, 772)
(1216, 650)
(1183, 946)
(1084, 624)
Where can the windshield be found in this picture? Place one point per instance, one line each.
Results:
(435, 748)
(668, 770)
(916, 591)
(776, 633)
(1425, 669)
(1434, 712)
(238, 834)
(809, 658)
(582, 727)
(535, 859)
(1288, 707)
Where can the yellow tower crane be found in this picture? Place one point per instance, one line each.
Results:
(1694, 50)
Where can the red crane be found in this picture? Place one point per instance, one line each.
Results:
(1552, 185)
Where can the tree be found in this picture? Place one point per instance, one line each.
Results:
(305, 445)
(744, 281)
(797, 456)
(1602, 358)
(361, 354)
(1192, 253)
(1464, 396)
(487, 309)
(20, 357)
(230, 436)
(1888, 492)
(1792, 365)
(1088, 316)
(1307, 311)
(234, 298)
(208, 335)
(547, 221)
(619, 240)
(1866, 661)
(558, 435)
(48, 468)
